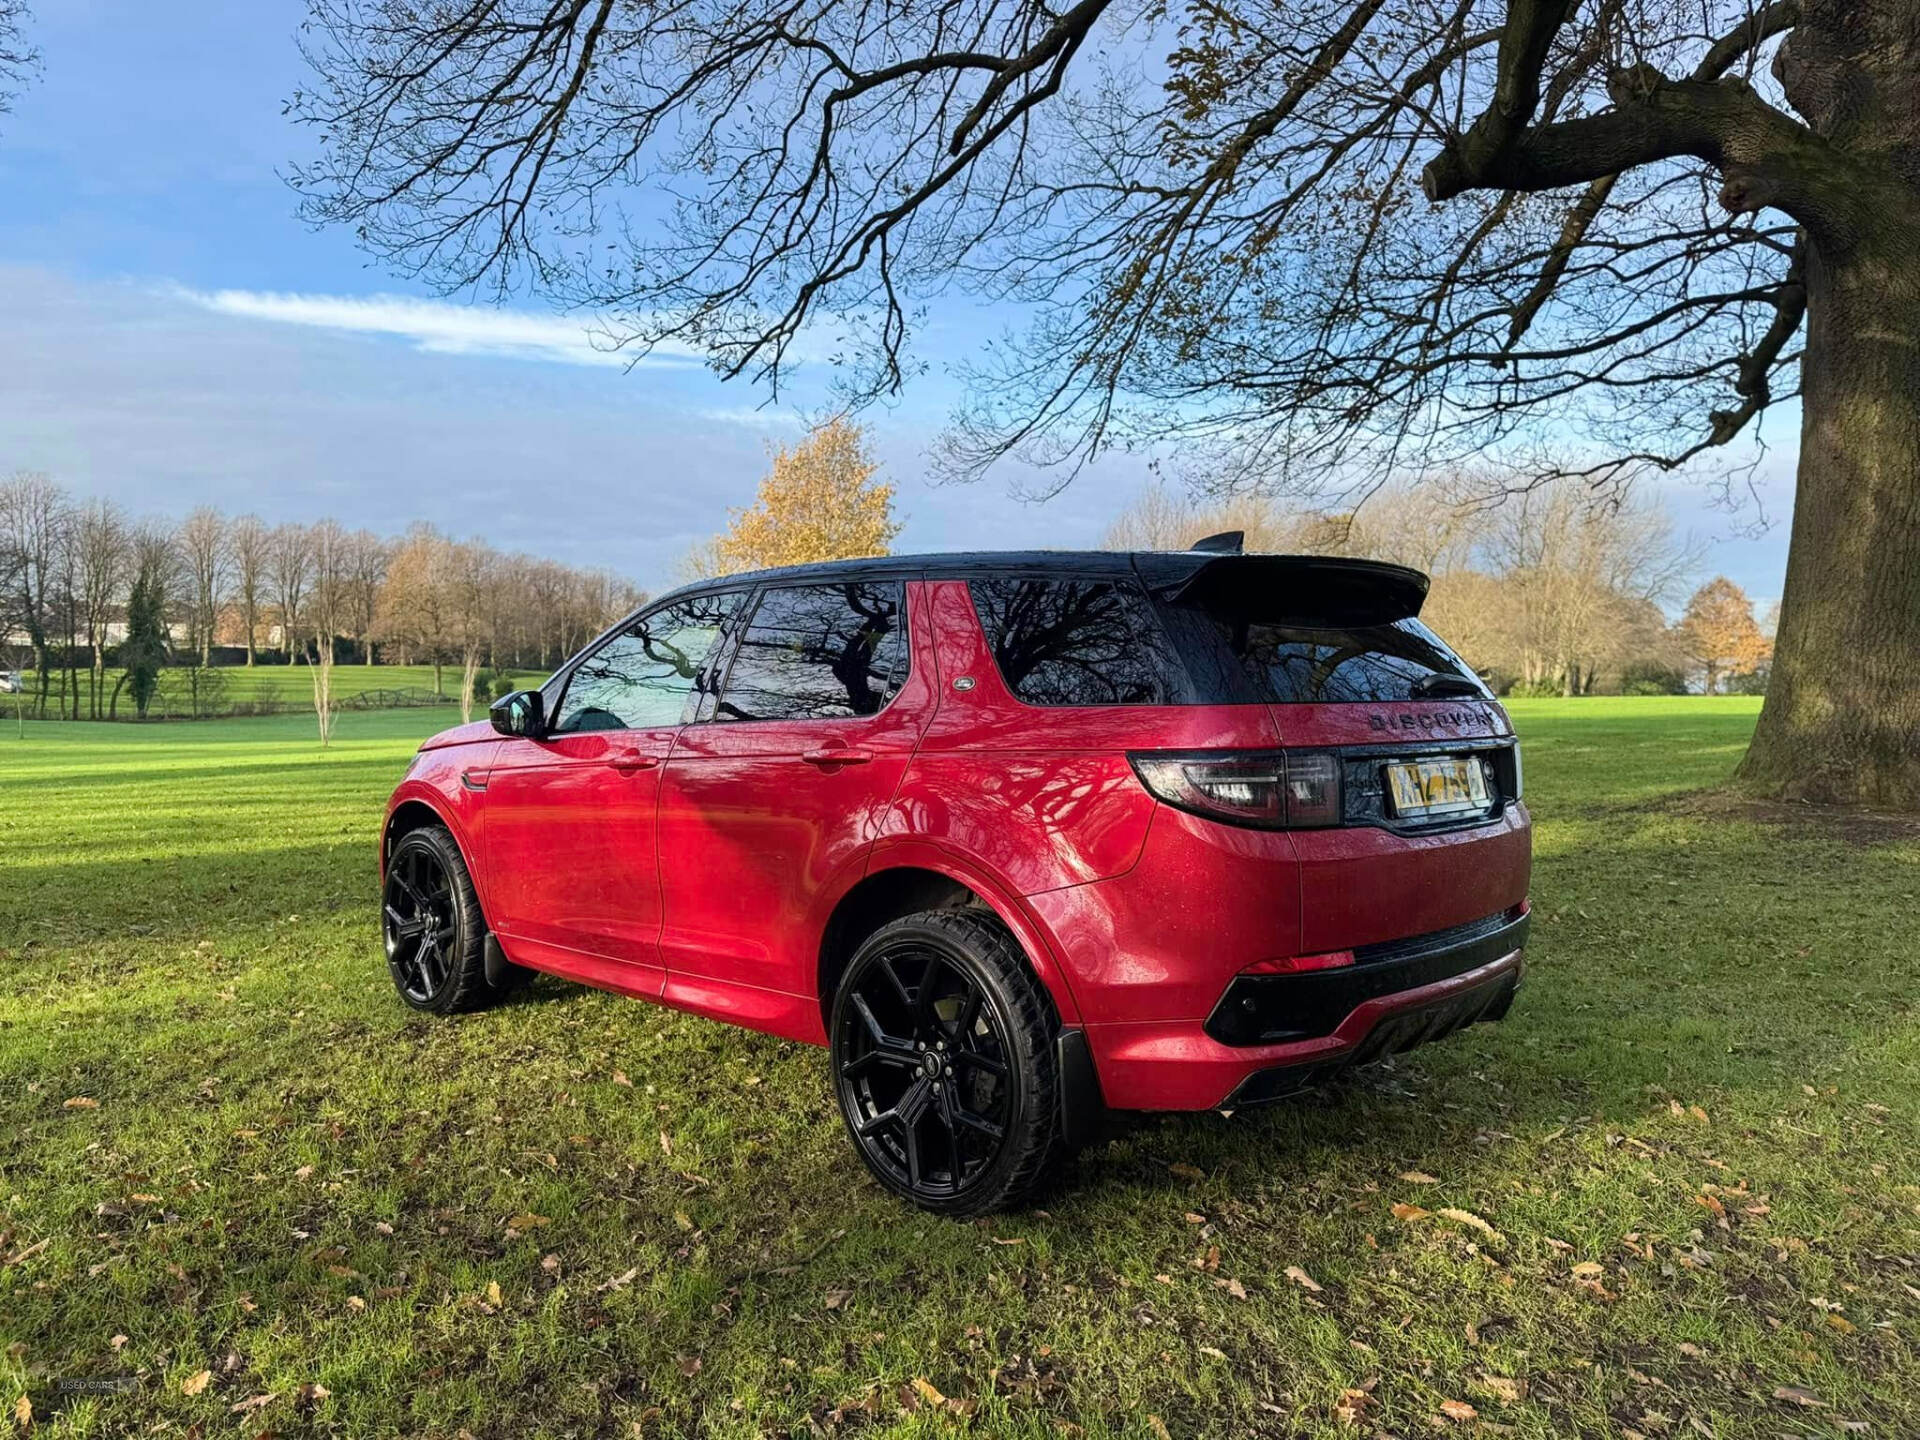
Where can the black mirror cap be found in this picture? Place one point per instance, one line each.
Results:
(523, 713)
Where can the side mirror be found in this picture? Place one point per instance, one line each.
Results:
(523, 713)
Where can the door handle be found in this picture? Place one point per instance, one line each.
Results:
(628, 761)
(836, 755)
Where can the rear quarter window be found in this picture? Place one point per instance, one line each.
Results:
(1079, 641)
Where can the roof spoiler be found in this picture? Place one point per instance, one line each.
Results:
(1296, 589)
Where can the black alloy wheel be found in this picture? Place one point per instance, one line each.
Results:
(431, 925)
(943, 1062)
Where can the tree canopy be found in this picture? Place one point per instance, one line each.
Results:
(1313, 244)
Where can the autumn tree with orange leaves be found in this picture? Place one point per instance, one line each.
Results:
(1720, 634)
(821, 500)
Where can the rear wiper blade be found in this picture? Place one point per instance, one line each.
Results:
(1430, 687)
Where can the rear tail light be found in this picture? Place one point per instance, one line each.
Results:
(1273, 790)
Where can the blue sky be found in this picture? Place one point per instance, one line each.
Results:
(170, 334)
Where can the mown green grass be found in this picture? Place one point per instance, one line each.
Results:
(1709, 1090)
(293, 685)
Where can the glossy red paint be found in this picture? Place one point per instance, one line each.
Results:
(702, 864)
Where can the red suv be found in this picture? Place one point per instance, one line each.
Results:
(1020, 837)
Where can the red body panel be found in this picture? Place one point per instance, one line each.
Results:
(701, 864)
(761, 828)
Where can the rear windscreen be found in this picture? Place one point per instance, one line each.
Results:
(1084, 642)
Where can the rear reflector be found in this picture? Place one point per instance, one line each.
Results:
(1300, 964)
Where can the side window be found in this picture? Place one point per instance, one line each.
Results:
(641, 678)
(1077, 642)
(812, 652)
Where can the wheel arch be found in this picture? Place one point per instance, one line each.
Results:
(410, 814)
(919, 881)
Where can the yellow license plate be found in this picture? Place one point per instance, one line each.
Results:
(1450, 785)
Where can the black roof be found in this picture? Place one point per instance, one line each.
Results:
(1359, 590)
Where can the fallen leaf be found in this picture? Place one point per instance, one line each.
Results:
(1352, 1406)
(620, 1281)
(23, 1412)
(1409, 1213)
(689, 1365)
(1589, 1270)
(1236, 1289)
(683, 1220)
(1474, 1222)
(837, 1299)
(1841, 1323)
(117, 1341)
(1194, 1217)
(1159, 1427)
(550, 1263)
(493, 1292)
(1186, 1172)
(303, 1172)
(527, 1220)
(1458, 1410)
(1794, 1395)
(1510, 1392)
(1418, 1177)
(81, 1102)
(382, 1227)
(620, 1078)
(666, 1143)
(927, 1391)
(1210, 1350)
(1303, 1279)
(196, 1382)
(258, 1402)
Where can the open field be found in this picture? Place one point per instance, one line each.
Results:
(293, 684)
(1676, 1193)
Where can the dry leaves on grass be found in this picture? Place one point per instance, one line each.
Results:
(196, 1382)
(1159, 1428)
(81, 1102)
(1409, 1213)
(1794, 1395)
(1185, 1171)
(1473, 1222)
(1418, 1177)
(1459, 1411)
(1303, 1279)
(1354, 1402)
(837, 1299)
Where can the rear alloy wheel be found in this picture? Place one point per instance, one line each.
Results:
(943, 1063)
(430, 922)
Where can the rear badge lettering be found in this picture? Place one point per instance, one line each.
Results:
(1423, 720)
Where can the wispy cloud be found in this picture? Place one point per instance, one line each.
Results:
(438, 326)
(754, 417)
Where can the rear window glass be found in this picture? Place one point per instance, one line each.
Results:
(1238, 656)
(1078, 642)
(1107, 641)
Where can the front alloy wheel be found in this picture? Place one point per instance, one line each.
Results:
(943, 1062)
(431, 926)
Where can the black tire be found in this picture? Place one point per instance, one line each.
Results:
(431, 926)
(943, 1063)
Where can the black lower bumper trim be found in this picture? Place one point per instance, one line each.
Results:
(1398, 1032)
(1280, 1009)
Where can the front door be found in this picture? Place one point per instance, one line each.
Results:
(767, 801)
(570, 817)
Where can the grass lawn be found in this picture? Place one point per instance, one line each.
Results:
(293, 684)
(1677, 1193)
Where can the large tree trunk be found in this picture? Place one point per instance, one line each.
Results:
(1841, 722)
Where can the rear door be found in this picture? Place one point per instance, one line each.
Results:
(1434, 835)
(570, 817)
(774, 795)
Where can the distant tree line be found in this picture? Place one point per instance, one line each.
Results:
(97, 603)
(1547, 593)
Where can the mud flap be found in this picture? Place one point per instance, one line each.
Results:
(1083, 1111)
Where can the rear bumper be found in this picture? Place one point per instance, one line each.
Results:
(1183, 1065)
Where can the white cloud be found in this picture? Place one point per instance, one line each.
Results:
(439, 327)
(755, 417)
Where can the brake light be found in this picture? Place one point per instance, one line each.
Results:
(1272, 790)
